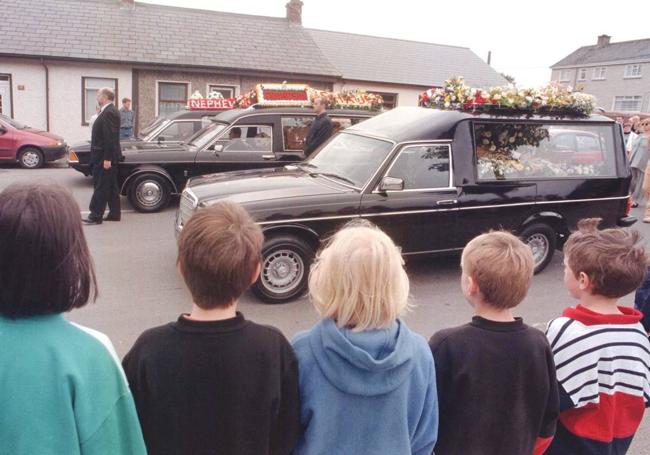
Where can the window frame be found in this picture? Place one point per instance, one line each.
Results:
(629, 75)
(234, 88)
(11, 94)
(226, 132)
(479, 180)
(565, 75)
(83, 95)
(408, 145)
(640, 105)
(580, 77)
(603, 73)
(395, 94)
(188, 91)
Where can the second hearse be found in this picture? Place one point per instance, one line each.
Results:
(432, 180)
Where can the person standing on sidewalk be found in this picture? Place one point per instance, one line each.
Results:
(127, 116)
(639, 155)
(105, 154)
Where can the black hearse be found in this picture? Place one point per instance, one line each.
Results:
(432, 180)
(252, 138)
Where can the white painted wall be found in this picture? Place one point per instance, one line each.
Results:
(29, 104)
(65, 92)
(407, 96)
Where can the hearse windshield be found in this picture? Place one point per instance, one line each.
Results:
(153, 126)
(206, 135)
(349, 158)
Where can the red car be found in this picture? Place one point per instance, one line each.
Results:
(29, 146)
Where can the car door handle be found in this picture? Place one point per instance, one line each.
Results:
(268, 157)
(447, 202)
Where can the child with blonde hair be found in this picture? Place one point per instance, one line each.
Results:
(367, 382)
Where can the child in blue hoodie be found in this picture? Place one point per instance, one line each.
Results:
(367, 383)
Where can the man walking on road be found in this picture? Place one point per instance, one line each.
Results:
(321, 129)
(105, 154)
(126, 119)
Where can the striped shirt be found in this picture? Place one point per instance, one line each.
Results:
(603, 370)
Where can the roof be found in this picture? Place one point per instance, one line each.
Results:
(637, 50)
(396, 61)
(109, 30)
(419, 123)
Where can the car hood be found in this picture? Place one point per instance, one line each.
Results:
(38, 132)
(128, 146)
(261, 185)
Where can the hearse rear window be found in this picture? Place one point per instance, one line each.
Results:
(510, 151)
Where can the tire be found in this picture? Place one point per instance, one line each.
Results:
(30, 158)
(542, 240)
(285, 269)
(149, 193)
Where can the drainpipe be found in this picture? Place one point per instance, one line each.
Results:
(47, 95)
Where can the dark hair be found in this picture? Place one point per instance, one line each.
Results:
(614, 259)
(219, 250)
(45, 265)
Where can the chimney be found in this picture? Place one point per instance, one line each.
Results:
(603, 40)
(294, 12)
(127, 4)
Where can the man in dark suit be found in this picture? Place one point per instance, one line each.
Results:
(321, 129)
(105, 154)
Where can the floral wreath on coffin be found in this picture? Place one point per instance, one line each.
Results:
(551, 100)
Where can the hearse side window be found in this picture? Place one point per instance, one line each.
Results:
(340, 123)
(178, 131)
(510, 151)
(294, 132)
(248, 138)
(422, 167)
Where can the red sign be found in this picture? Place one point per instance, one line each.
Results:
(210, 104)
(285, 95)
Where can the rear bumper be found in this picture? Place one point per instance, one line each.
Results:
(626, 221)
(54, 153)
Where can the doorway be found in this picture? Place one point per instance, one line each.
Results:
(5, 95)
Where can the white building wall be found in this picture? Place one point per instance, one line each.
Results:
(65, 82)
(406, 96)
(28, 103)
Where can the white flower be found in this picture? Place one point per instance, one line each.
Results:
(493, 148)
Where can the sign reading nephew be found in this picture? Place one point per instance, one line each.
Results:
(211, 104)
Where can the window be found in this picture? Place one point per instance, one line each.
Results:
(294, 132)
(172, 97)
(632, 71)
(422, 167)
(582, 74)
(599, 74)
(511, 151)
(179, 130)
(225, 90)
(390, 99)
(89, 88)
(248, 138)
(627, 103)
(565, 75)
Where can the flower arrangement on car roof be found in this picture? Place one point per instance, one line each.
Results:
(552, 99)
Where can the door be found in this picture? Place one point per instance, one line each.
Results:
(7, 139)
(245, 146)
(420, 217)
(5, 95)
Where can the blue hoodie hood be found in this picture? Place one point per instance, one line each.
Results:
(367, 363)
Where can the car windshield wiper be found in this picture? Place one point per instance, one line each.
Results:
(335, 176)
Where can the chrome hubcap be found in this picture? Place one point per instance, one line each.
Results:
(149, 193)
(282, 271)
(31, 159)
(539, 245)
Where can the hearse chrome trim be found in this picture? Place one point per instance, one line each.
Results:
(496, 206)
(447, 250)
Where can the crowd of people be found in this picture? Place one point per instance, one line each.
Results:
(358, 382)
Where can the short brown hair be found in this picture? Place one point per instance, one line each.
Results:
(124, 100)
(501, 265)
(45, 265)
(219, 250)
(614, 259)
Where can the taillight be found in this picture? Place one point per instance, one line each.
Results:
(72, 157)
(628, 207)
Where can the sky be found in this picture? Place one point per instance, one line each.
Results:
(525, 37)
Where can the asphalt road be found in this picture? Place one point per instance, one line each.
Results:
(140, 288)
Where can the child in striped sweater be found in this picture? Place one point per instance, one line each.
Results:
(601, 351)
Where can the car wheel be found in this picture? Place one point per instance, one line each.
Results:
(149, 193)
(542, 241)
(30, 158)
(285, 269)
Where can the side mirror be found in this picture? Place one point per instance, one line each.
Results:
(391, 184)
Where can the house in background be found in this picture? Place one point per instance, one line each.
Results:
(617, 74)
(56, 54)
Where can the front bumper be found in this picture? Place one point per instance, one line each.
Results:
(85, 169)
(626, 221)
(54, 153)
